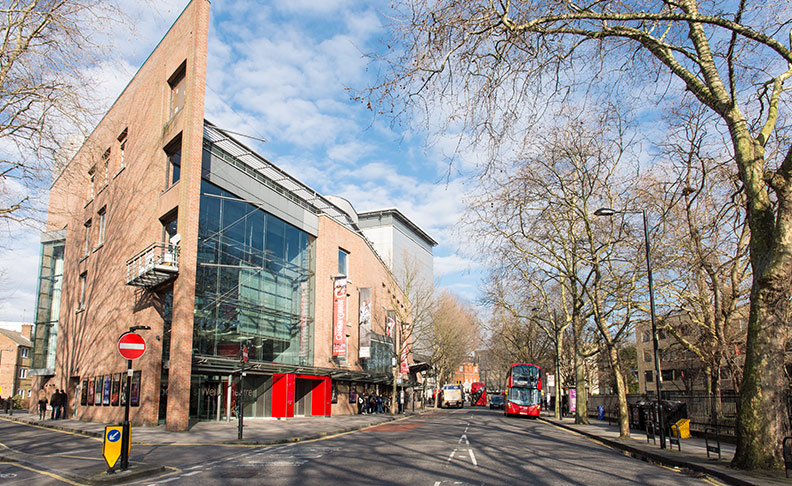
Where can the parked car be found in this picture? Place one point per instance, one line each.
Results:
(496, 401)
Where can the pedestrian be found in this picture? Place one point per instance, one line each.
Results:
(55, 403)
(370, 403)
(379, 403)
(360, 404)
(9, 405)
(63, 402)
(42, 406)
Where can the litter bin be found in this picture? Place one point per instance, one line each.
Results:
(600, 412)
(684, 429)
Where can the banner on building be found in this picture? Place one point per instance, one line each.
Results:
(405, 367)
(572, 400)
(304, 319)
(339, 316)
(364, 323)
(390, 322)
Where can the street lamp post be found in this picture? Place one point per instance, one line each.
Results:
(658, 379)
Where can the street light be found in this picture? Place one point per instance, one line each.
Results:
(611, 212)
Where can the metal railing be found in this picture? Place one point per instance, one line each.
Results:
(156, 264)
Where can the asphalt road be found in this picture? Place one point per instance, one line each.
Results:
(460, 447)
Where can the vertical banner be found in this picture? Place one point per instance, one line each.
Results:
(304, 319)
(390, 323)
(405, 367)
(364, 323)
(339, 316)
(572, 400)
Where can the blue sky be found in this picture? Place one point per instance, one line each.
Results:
(284, 70)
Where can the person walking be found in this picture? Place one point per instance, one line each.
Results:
(55, 403)
(42, 407)
(62, 402)
(9, 405)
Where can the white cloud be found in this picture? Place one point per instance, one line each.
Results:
(19, 260)
(447, 265)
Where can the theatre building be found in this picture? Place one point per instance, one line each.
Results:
(162, 219)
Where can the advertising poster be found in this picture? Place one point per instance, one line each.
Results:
(91, 392)
(108, 386)
(124, 391)
(364, 323)
(333, 393)
(352, 394)
(116, 390)
(390, 323)
(98, 391)
(405, 367)
(339, 316)
(134, 393)
(304, 300)
(84, 393)
(572, 396)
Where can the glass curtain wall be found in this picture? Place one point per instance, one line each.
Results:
(50, 281)
(254, 283)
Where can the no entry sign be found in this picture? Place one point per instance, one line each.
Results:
(131, 345)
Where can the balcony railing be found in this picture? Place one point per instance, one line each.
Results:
(155, 265)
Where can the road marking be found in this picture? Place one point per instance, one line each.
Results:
(191, 473)
(463, 437)
(452, 455)
(437, 483)
(472, 457)
(59, 478)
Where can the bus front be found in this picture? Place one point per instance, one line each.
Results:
(524, 393)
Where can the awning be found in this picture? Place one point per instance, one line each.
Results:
(220, 365)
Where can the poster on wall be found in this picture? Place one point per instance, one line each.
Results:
(339, 316)
(572, 400)
(91, 392)
(333, 393)
(364, 322)
(124, 391)
(98, 391)
(108, 386)
(304, 300)
(84, 393)
(134, 392)
(116, 390)
(352, 394)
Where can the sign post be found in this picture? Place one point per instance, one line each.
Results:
(131, 346)
(241, 394)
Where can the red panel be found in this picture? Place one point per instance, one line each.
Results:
(279, 393)
(317, 397)
(289, 395)
(328, 393)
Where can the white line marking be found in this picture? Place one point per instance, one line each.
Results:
(192, 473)
(472, 457)
(437, 483)
(452, 455)
(463, 437)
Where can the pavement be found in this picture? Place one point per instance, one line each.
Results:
(691, 454)
(262, 432)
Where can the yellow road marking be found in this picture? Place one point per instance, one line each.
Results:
(54, 476)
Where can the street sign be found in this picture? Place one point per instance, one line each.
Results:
(111, 449)
(131, 345)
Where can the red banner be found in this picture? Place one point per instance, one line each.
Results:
(405, 367)
(339, 316)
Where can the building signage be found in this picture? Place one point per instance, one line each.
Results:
(339, 316)
(304, 319)
(364, 322)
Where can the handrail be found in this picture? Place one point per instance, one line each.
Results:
(712, 448)
(160, 256)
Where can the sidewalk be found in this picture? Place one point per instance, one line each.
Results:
(82, 470)
(693, 455)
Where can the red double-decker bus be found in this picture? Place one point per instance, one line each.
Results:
(523, 390)
(478, 394)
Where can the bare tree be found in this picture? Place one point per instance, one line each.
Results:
(46, 100)
(455, 334)
(497, 59)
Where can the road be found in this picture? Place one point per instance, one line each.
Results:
(459, 447)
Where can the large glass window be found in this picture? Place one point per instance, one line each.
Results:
(255, 272)
(45, 338)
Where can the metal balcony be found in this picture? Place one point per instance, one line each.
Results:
(155, 265)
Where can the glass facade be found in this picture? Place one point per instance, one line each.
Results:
(381, 355)
(254, 283)
(48, 299)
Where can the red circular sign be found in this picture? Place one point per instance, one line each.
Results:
(131, 346)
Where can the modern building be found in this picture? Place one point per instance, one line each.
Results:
(15, 358)
(682, 370)
(165, 220)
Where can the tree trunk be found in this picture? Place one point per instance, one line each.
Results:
(717, 403)
(557, 408)
(621, 392)
(581, 398)
(763, 420)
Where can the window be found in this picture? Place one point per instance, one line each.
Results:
(177, 86)
(173, 152)
(106, 162)
(102, 215)
(170, 227)
(81, 303)
(343, 262)
(24, 352)
(668, 375)
(648, 376)
(647, 336)
(647, 356)
(23, 372)
(87, 238)
(122, 140)
(92, 176)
